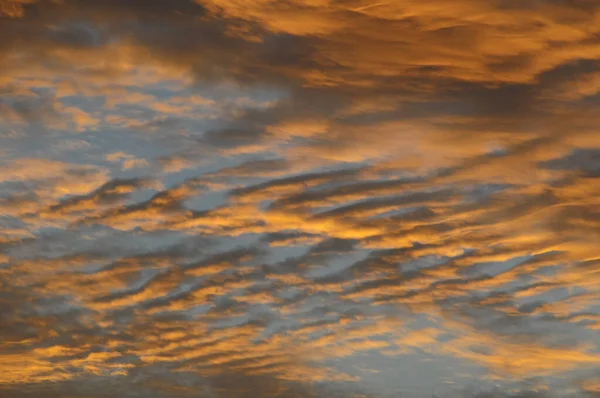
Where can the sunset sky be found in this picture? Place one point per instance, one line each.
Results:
(299, 198)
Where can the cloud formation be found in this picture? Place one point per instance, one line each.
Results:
(295, 199)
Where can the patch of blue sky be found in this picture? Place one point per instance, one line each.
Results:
(336, 264)
(396, 212)
(413, 373)
(494, 268)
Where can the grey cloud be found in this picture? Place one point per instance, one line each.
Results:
(583, 160)
(109, 193)
(376, 203)
(306, 178)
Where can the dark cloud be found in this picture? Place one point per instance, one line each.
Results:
(110, 193)
(302, 179)
(583, 160)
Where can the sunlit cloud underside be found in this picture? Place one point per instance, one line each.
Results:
(303, 198)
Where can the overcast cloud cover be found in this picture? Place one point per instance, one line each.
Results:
(300, 198)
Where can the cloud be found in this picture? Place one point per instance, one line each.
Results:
(262, 194)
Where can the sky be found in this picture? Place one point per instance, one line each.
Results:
(300, 198)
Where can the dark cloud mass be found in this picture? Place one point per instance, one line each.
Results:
(303, 198)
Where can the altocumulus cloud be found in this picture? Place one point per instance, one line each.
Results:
(224, 198)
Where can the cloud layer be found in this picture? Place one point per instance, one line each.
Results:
(227, 198)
